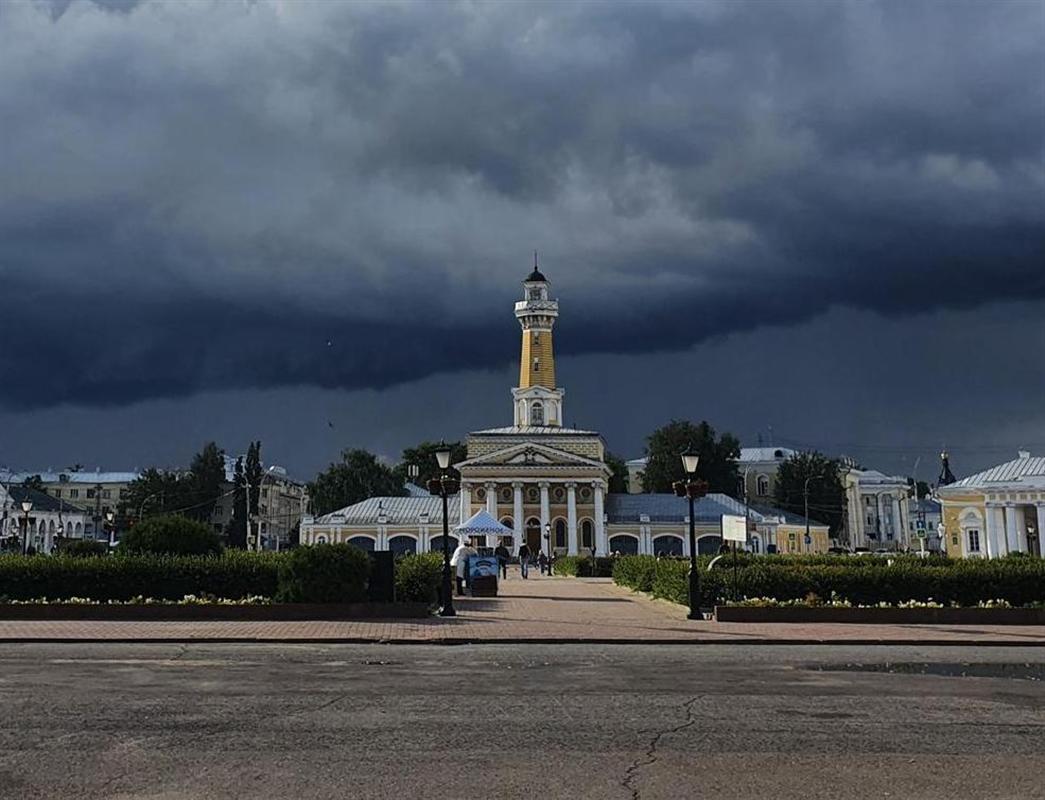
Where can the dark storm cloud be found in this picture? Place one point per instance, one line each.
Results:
(200, 196)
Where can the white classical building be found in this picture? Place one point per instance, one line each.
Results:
(877, 510)
(548, 482)
(48, 518)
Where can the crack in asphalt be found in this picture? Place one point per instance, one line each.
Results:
(631, 774)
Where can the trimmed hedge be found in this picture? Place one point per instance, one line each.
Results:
(581, 566)
(324, 573)
(861, 581)
(233, 575)
(83, 548)
(171, 535)
(418, 578)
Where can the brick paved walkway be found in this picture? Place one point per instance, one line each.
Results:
(539, 609)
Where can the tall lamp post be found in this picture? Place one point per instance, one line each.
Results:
(692, 488)
(548, 544)
(27, 506)
(444, 486)
(805, 494)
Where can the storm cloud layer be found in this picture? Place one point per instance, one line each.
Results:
(198, 197)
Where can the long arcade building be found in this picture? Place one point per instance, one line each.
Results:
(548, 482)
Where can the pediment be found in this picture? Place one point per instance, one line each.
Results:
(527, 454)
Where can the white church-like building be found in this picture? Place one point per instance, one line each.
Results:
(548, 482)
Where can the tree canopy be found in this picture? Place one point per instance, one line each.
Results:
(423, 456)
(718, 457)
(357, 476)
(619, 477)
(826, 492)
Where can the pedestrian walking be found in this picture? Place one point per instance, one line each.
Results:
(524, 560)
(542, 561)
(502, 559)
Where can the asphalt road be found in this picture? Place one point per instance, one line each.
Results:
(167, 722)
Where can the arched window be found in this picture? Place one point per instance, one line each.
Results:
(587, 534)
(537, 413)
(625, 544)
(763, 486)
(508, 523)
(362, 542)
(708, 545)
(560, 532)
(756, 545)
(321, 539)
(667, 546)
(436, 544)
(402, 545)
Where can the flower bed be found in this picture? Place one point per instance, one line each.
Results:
(857, 581)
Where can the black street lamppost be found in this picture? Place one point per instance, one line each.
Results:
(548, 544)
(692, 488)
(444, 486)
(27, 506)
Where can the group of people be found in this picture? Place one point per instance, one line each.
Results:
(527, 559)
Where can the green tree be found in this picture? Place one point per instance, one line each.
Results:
(619, 477)
(208, 481)
(921, 489)
(253, 472)
(34, 482)
(171, 535)
(236, 530)
(357, 476)
(718, 457)
(156, 492)
(826, 492)
(423, 456)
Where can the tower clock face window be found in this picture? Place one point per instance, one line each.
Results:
(537, 414)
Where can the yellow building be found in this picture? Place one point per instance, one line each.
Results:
(996, 512)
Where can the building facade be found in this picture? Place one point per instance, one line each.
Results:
(548, 482)
(96, 493)
(48, 519)
(876, 510)
(996, 512)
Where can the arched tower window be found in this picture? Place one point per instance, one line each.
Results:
(537, 413)
(763, 485)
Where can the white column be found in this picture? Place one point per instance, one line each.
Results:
(1041, 529)
(466, 501)
(1021, 529)
(990, 538)
(517, 515)
(898, 529)
(602, 547)
(491, 509)
(571, 518)
(546, 514)
(1011, 530)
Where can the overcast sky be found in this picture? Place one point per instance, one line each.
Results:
(818, 223)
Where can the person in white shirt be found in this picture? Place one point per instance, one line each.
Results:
(459, 561)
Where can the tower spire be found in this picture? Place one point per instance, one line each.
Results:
(538, 401)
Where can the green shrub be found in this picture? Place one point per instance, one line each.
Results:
(233, 575)
(171, 535)
(82, 548)
(324, 573)
(635, 572)
(861, 581)
(418, 578)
